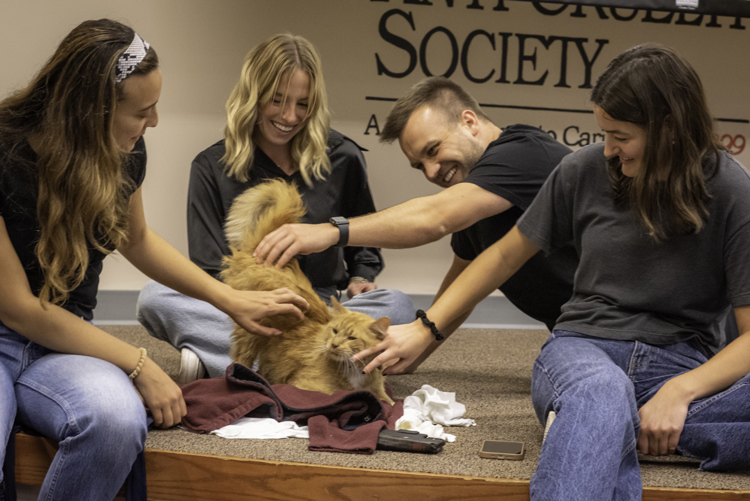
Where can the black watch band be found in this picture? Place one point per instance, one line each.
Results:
(343, 225)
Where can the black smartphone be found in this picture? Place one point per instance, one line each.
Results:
(500, 449)
(409, 441)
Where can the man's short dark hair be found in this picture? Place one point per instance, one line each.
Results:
(447, 96)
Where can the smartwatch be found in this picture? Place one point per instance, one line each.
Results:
(343, 225)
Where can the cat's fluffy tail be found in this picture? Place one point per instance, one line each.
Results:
(260, 210)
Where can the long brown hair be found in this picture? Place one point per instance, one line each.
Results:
(654, 88)
(68, 109)
(264, 67)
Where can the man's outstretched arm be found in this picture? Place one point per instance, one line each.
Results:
(410, 224)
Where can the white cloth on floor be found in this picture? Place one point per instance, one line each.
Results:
(428, 409)
(262, 428)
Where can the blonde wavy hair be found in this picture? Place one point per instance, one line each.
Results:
(68, 109)
(265, 65)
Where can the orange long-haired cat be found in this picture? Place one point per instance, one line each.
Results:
(311, 354)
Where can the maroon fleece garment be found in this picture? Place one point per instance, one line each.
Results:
(347, 421)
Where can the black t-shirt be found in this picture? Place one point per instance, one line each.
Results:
(515, 166)
(19, 189)
(343, 192)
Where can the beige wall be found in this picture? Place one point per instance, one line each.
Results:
(202, 44)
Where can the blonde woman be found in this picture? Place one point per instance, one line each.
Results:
(277, 127)
(72, 158)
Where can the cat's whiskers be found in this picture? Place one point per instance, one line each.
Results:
(358, 364)
(317, 350)
(350, 371)
(350, 367)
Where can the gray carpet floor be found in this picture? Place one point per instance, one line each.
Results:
(488, 370)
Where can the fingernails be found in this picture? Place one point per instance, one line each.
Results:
(363, 372)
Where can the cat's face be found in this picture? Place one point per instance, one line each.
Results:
(351, 332)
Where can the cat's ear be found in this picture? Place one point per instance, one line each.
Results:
(337, 308)
(380, 326)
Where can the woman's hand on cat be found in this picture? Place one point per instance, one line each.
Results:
(281, 245)
(360, 287)
(254, 306)
(161, 395)
(403, 342)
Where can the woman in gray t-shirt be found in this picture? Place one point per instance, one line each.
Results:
(660, 217)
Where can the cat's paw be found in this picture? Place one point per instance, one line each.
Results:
(386, 398)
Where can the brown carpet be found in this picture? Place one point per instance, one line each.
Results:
(490, 372)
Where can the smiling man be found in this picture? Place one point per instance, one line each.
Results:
(490, 176)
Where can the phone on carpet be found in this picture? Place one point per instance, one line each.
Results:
(500, 449)
(408, 441)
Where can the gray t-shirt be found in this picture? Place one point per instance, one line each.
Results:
(630, 287)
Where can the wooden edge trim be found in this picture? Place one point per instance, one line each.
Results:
(180, 475)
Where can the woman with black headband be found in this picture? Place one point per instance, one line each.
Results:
(72, 159)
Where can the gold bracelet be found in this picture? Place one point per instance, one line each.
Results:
(358, 280)
(138, 367)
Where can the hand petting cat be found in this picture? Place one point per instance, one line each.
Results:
(249, 307)
(403, 342)
(281, 245)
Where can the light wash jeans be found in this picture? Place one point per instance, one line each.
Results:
(185, 322)
(87, 405)
(596, 386)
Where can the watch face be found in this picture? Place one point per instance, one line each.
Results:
(338, 220)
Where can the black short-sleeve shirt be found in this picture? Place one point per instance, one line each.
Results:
(343, 192)
(19, 190)
(515, 167)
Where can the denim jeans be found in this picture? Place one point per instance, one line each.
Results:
(87, 405)
(185, 322)
(596, 386)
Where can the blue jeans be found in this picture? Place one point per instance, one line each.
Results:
(87, 405)
(596, 386)
(185, 322)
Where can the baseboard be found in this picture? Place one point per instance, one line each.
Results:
(494, 312)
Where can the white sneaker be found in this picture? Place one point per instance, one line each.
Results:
(550, 417)
(191, 367)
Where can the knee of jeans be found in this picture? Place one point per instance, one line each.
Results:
(110, 409)
(608, 394)
(605, 390)
(117, 422)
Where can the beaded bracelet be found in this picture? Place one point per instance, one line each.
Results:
(435, 332)
(138, 367)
